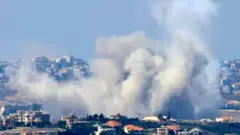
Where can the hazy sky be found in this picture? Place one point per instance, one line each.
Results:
(75, 25)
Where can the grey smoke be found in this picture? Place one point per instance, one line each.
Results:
(136, 75)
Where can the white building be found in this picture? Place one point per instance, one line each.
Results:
(151, 119)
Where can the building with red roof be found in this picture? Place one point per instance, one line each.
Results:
(113, 123)
(132, 128)
(173, 127)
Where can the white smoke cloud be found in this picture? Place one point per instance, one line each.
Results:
(136, 75)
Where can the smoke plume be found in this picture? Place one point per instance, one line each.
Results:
(136, 75)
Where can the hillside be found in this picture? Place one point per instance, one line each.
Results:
(60, 68)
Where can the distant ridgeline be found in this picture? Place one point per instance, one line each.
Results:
(61, 68)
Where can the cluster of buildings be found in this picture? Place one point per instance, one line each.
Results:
(121, 125)
(230, 84)
(28, 122)
(230, 77)
(138, 130)
(30, 119)
(38, 122)
(26, 117)
(60, 68)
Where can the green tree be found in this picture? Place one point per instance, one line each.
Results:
(62, 124)
(95, 117)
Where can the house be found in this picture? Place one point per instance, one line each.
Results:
(236, 92)
(232, 103)
(162, 131)
(133, 130)
(32, 116)
(113, 124)
(155, 131)
(9, 121)
(41, 117)
(173, 127)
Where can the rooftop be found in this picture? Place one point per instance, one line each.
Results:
(113, 123)
(173, 127)
(131, 127)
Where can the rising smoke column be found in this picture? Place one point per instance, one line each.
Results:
(136, 75)
(186, 22)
